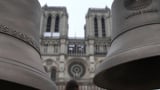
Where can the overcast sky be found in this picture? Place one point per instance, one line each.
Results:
(77, 9)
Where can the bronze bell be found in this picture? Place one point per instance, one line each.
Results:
(20, 61)
(133, 61)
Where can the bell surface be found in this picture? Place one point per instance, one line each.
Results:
(20, 61)
(133, 61)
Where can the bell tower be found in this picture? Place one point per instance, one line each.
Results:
(54, 22)
(97, 34)
(98, 23)
(54, 35)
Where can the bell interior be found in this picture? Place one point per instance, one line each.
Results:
(141, 74)
(6, 85)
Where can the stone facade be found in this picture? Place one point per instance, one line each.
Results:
(67, 58)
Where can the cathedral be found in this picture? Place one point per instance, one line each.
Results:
(66, 58)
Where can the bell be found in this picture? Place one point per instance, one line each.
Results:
(20, 61)
(133, 61)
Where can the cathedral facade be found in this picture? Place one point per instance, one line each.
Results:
(66, 58)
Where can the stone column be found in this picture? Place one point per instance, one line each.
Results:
(91, 58)
(91, 47)
(99, 26)
(92, 66)
(53, 24)
(62, 58)
(108, 26)
(89, 26)
(63, 26)
(41, 25)
(87, 48)
(63, 48)
(61, 67)
(44, 24)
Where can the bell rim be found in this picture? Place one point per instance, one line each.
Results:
(105, 66)
(21, 74)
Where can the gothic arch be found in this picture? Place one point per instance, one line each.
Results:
(53, 70)
(57, 22)
(77, 60)
(49, 23)
(103, 26)
(48, 63)
(96, 26)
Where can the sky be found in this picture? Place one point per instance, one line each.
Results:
(77, 9)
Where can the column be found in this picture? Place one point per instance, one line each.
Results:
(91, 47)
(87, 27)
(92, 66)
(41, 25)
(63, 46)
(108, 26)
(63, 27)
(62, 58)
(90, 26)
(44, 24)
(53, 24)
(99, 26)
(61, 67)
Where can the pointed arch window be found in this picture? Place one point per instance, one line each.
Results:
(57, 24)
(49, 20)
(103, 27)
(53, 73)
(95, 27)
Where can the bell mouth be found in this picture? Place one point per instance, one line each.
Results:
(24, 76)
(132, 62)
(6, 85)
(142, 74)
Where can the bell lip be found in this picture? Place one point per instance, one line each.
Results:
(24, 75)
(110, 62)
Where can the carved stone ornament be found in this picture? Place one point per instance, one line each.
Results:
(76, 70)
(136, 4)
(21, 36)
